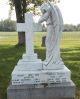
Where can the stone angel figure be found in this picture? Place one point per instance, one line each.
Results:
(53, 17)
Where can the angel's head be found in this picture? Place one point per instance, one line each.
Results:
(44, 7)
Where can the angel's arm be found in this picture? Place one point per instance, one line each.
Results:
(44, 17)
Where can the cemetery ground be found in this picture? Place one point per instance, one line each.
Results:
(10, 54)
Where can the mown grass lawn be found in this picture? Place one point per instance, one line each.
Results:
(10, 54)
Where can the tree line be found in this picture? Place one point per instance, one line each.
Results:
(67, 28)
(7, 25)
(70, 27)
(10, 25)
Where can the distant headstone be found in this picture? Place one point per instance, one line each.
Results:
(43, 41)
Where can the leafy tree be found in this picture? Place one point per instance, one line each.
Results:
(20, 9)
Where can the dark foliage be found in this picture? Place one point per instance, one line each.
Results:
(7, 25)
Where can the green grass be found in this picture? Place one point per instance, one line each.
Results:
(10, 54)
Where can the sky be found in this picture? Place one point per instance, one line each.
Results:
(4, 10)
(70, 10)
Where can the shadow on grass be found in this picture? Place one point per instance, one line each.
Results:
(67, 54)
(71, 54)
(70, 49)
(9, 56)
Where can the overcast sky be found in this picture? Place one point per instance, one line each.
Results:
(70, 10)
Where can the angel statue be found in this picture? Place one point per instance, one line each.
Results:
(54, 21)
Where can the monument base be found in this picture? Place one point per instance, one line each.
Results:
(50, 91)
(21, 76)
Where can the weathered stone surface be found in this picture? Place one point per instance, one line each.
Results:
(21, 76)
(50, 91)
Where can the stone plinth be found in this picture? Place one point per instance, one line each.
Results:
(28, 63)
(21, 76)
(51, 91)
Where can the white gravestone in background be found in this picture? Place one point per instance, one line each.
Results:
(29, 69)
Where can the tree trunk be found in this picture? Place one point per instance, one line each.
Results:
(20, 9)
(24, 8)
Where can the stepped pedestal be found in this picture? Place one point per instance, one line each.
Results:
(30, 70)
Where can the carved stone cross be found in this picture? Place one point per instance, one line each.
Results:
(29, 27)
